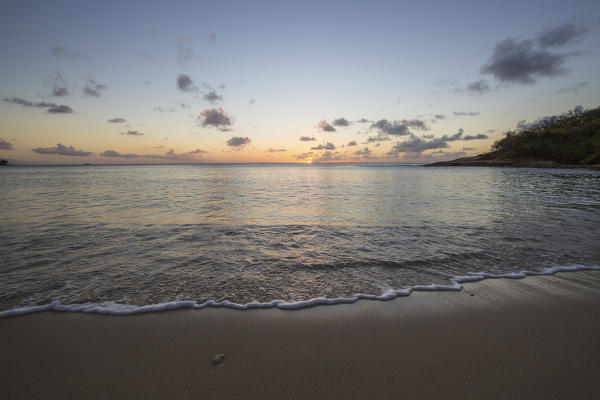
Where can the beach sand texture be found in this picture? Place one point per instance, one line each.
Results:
(535, 338)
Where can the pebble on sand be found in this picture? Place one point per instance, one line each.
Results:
(218, 358)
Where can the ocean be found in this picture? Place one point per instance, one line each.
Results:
(123, 239)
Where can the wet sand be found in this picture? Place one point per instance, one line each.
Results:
(536, 338)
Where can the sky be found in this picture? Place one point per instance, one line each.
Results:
(277, 81)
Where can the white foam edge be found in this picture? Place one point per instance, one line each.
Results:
(112, 308)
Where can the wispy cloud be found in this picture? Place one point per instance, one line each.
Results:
(93, 88)
(560, 35)
(184, 53)
(327, 146)
(574, 88)
(4, 145)
(212, 97)
(66, 52)
(62, 150)
(194, 155)
(275, 150)
(466, 113)
(365, 153)
(116, 120)
(51, 108)
(213, 38)
(132, 133)
(307, 139)
(58, 85)
(479, 87)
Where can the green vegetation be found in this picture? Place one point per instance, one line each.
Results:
(569, 138)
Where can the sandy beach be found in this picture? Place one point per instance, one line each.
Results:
(533, 338)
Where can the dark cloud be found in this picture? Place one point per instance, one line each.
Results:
(363, 121)
(479, 87)
(185, 83)
(93, 88)
(399, 128)
(184, 53)
(417, 145)
(381, 137)
(217, 118)
(328, 146)
(325, 126)
(340, 122)
(517, 61)
(4, 145)
(428, 136)
(60, 91)
(307, 139)
(439, 116)
(62, 150)
(51, 108)
(238, 141)
(132, 133)
(364, 152)
(574, 88)
(475, 137)
(352, 143)
(194, 155)
(116, 120)
(212, 97)
(560, 35)
(57, 84)
(466, 113)
(213, 38)
(61, 109)
(275, 150)
(65, 52)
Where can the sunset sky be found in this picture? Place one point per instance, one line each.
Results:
(253, 81)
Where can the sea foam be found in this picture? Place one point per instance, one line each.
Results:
(112, 308)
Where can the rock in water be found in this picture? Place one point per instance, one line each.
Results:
(218, 358)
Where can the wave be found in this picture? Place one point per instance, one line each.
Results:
(112, 308)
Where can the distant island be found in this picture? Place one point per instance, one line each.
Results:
(570, 140)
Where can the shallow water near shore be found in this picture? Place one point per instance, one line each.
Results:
(122, 239)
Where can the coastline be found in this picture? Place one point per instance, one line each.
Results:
(486, 160)
(497, 338)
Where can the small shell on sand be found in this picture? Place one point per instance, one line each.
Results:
(218, 358)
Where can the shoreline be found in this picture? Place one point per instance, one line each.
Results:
(498, 338)
(484, 160)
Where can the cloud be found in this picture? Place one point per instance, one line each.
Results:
(303, 155)
(213, 38)
(194, 155)
(65, 52)
(363, 121)
(340, 122)
(491, 131)
(399, 128)
(238, 141)
(475, 137)
(479, 87)
(62, 150)
(560, 35)
(251, 101)
(468, 148)
(466, 113)
(217, 118)
(164, 109)
(275, 150)
(328, 146)
(352, 143)
(4, 145)
(328, 156)
(61, 109)
(212, 97)
(364, 152)
(439, 116)
(132, 133)
(381, 137)
(325, 126)
(307, 139)
(574, 88)
(58, 85)
(184, 53)
(185, 83)
(517, 61)
(92, 88)
(417, 145)
(116, 120)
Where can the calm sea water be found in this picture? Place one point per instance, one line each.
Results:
(139, 235)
